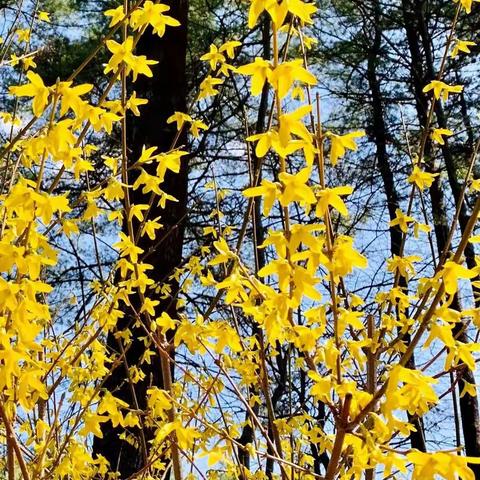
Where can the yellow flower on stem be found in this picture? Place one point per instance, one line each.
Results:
(340, 143)
(441, 89)
(438, 134)
(401, 220)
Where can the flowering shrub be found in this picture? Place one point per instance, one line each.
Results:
(338, 353)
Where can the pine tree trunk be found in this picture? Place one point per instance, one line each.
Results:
(417, 35)
(166, 93)
(379, 136)
(247, 435)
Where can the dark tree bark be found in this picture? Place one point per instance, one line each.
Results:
(247, 435)
(418, 40)
(379, 136)
(166, 93)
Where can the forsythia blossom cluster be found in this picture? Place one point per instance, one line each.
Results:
(350, 358)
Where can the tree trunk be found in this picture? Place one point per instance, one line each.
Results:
(247, 435)
(166, 93)
(379, 136)
(417, 34)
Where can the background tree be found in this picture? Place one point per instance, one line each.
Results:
(291, 356)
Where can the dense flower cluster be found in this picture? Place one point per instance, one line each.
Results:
(51, 395)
